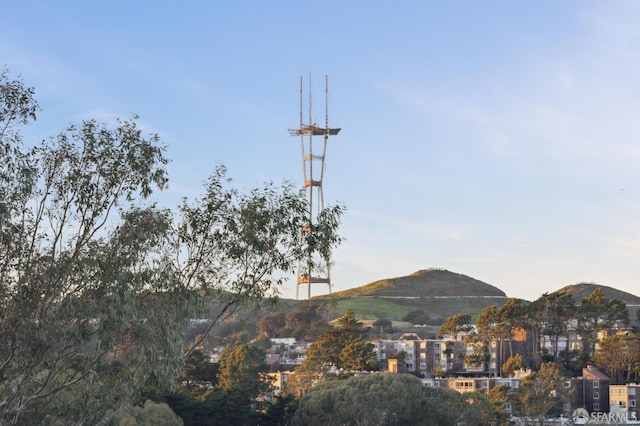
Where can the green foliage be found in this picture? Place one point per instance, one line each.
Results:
(244, 367)
(383, 325)
(511, 365)
(501, 397)
(342, 347)
(220, 408)
(479, 355)
(376, 399)
(554, 312)
(418, 316)
(358, 355)
(371, 307)
(477, 409)
(425, 283)
(327, 350)
(151, 414)
(97, 283)
(280, 410)
(307, 322)
(384, 399)
(454, 325)
(445, 407)
(581, 290)
(596, 313)
(540, 392)
(619, 358)
(199, 375)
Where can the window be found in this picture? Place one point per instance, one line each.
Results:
(507, 407)
(632, 403)
(596, 406)
(596, 384)
(485, 384)
(596, 395)
(566, 406)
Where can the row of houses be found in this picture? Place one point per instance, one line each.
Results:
(424, 357)
(433, 359)
(592, 395)
(591, 392)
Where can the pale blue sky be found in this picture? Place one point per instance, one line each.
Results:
(497, 139)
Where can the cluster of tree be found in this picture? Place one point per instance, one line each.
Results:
(375, 398)
(306, 323)
(539, 395)
(389, 399)
(419, 316)
(98, 282)
(618, 357)
(339, 349)
(550, 315)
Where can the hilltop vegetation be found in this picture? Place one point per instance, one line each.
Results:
(582, 290)
(432, 295)
(430, 282)
(438, 292)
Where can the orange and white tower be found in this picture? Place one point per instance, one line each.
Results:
(313, 167)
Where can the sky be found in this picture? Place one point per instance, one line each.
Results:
(495, 139)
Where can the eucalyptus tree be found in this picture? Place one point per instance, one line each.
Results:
(540, 393)
(340, 348)
(619, 358)
(98, 282)
(512, 317)
(456, 325)
(245, 367)
(555, 311)
(596, 313)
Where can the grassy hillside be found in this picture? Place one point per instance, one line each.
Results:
(438, 292)
(582, 290)
(425, 283)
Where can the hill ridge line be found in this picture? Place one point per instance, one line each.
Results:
(436, 297)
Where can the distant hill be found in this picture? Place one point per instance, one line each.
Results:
(438, 292)
(425, 283)
(582, 290)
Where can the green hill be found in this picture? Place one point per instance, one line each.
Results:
(425, 283)
(437, 292)
(582, 290)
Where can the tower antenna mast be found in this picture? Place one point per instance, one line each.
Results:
(313, 271)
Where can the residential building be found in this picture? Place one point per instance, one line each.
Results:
(589, 391)
(624, 400)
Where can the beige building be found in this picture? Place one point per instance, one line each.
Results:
(625, 399)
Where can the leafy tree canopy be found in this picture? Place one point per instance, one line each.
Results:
(455, 325)
(98, 282)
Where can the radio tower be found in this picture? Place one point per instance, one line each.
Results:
(313, 172)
